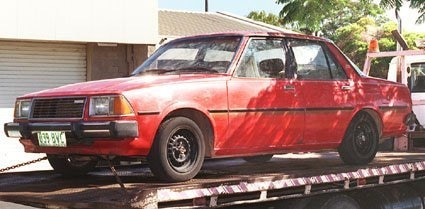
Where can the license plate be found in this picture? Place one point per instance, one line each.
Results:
(51, 139)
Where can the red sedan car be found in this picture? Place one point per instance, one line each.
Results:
(247, 95)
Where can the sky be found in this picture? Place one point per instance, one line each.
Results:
(239, 7)
(243, 7)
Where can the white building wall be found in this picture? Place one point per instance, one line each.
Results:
(117, 21)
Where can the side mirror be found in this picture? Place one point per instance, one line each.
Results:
(272, 66)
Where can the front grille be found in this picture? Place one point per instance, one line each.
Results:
(58, 108)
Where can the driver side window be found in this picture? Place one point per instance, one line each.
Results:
(263, 58)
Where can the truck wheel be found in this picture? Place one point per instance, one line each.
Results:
(258, 159)
(333, 202)
(72, 165)
(360, 143)
(177, 153)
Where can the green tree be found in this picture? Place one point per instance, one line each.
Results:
(353, 40)
(262, 16)
(325, 16)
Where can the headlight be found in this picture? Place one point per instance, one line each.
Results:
(109, 106)
(22, 108)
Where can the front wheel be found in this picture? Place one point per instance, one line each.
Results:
(178, 150)
(360, 143)
(72, 165)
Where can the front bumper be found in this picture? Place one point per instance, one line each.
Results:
(76, 130)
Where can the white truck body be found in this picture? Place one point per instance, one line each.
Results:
(414, 67)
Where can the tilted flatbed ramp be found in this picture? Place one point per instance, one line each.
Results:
(221, 183)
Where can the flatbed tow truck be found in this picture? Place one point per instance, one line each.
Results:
(225, 183)
(290, 181)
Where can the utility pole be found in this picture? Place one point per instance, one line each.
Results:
(399, 26)
(206, 5)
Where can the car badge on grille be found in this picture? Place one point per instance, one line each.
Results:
(80, 101)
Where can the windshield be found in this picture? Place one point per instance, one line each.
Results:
(198, 55)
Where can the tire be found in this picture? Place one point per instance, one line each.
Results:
(258, 159)
(338, 201)
(72, 165)
(177, 153)
(360, 143)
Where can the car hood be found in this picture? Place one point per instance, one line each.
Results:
(119, 85)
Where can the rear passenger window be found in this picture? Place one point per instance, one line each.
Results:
(314, 61)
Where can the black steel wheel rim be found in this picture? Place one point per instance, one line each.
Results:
(182, 150)
(364, 138)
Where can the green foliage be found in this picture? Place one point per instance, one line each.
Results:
(349, 39)
(262, 16)
(412, 37)
(353, 40)
(325, 16)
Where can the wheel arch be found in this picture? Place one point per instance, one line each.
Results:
(360, 148)
(202, 120)
(376, 118)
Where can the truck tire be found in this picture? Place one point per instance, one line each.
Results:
(72, 165)
(258, 159)
(177, 153)
(338, 201)
(390, 197)
(360, 143)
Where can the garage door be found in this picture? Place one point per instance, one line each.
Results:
(31, 66)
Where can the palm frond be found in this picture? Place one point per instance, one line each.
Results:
(388, 4)
(420, 5)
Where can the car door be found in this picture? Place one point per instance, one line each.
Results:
(326, 90)
(264, 108)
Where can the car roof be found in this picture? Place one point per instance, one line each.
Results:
(258, 34)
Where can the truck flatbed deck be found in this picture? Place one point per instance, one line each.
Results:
(220, 183)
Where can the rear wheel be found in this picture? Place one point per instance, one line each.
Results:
(360, 143)
(178, 150)
(258, 159)
(72, 165)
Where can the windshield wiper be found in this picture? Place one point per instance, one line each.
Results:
(155, 71)
(180, 70)
(198, 68)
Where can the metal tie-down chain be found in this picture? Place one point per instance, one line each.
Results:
(124, 191)
(117, 178)
(2, 170)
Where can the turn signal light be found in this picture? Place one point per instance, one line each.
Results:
(121, 106)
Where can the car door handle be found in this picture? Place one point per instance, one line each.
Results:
(346, 88)
(288, 87)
